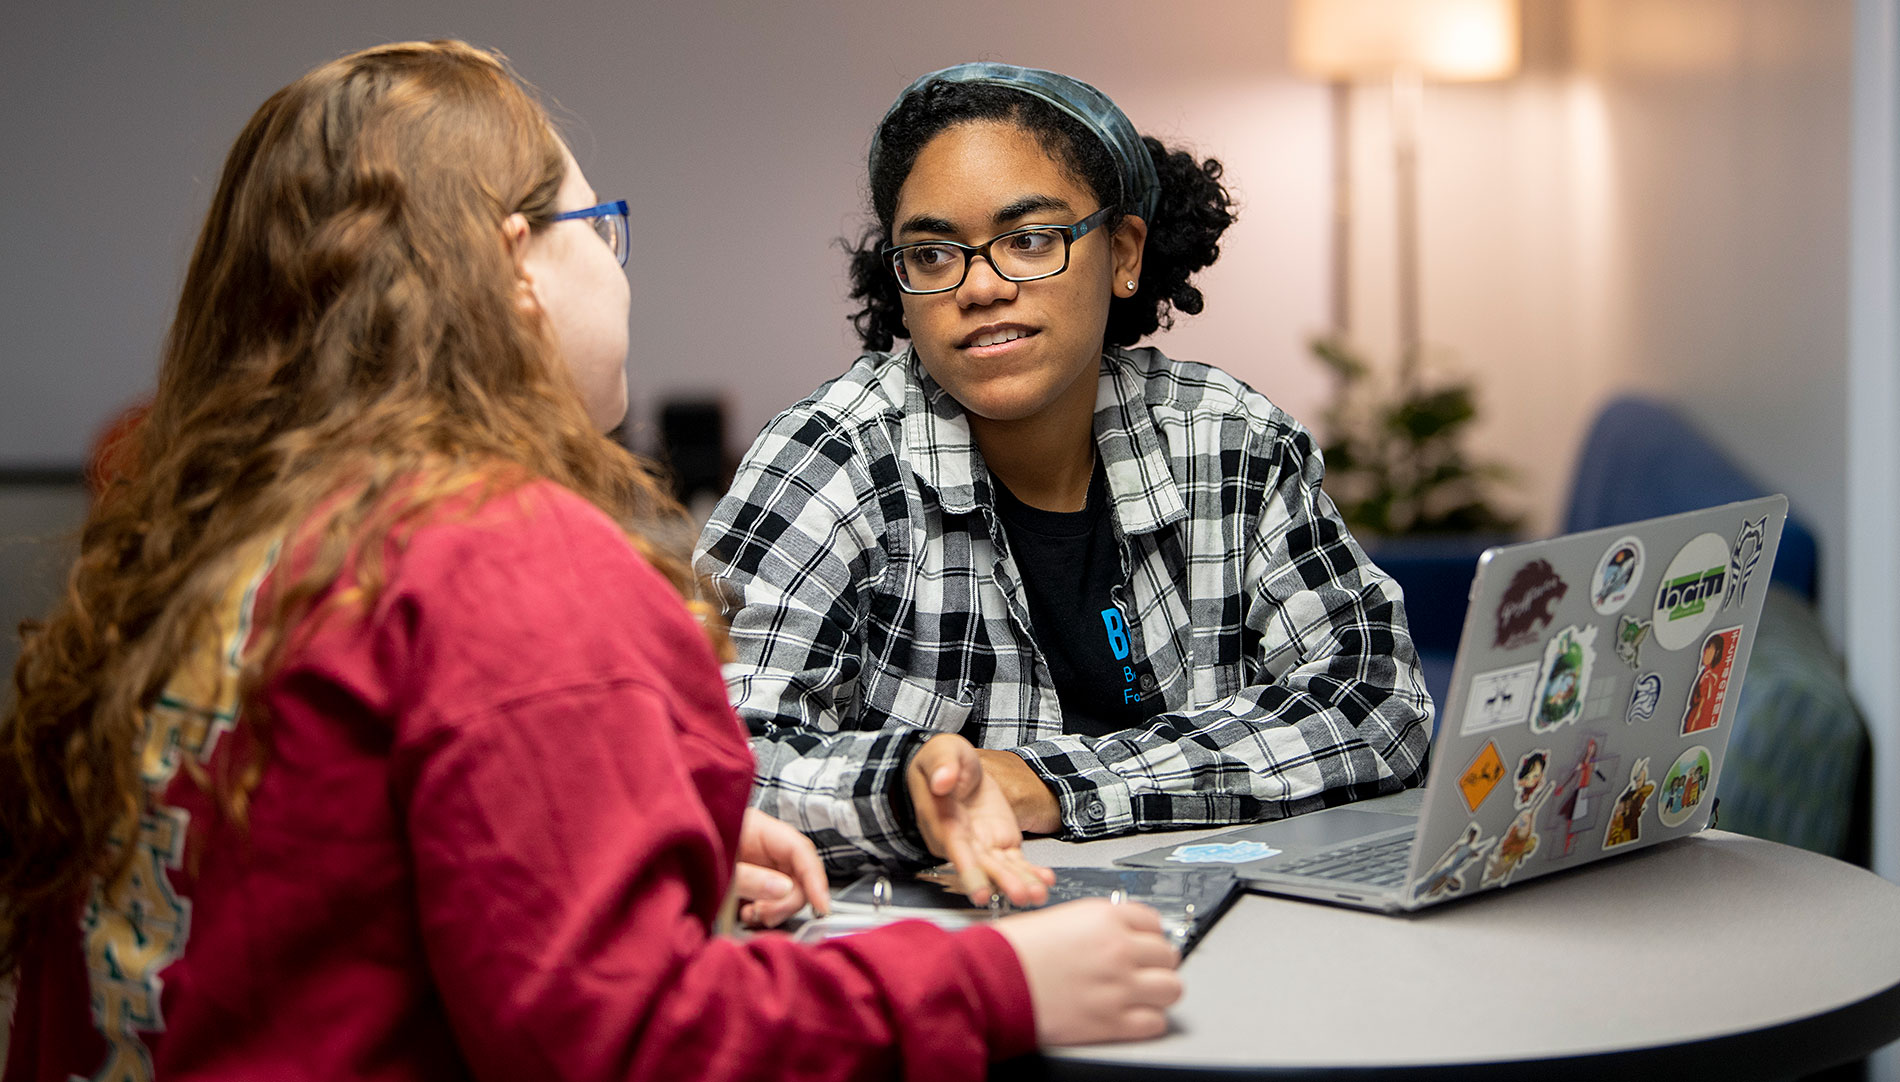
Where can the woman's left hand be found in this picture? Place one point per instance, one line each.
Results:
(779, 871)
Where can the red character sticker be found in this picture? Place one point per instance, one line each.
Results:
(1710, 687)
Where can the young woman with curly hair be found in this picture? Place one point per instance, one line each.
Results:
(1023, 574)
(373, 739)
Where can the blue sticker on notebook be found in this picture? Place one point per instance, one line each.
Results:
(1222, 853)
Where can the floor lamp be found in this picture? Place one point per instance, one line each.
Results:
(1405, 43)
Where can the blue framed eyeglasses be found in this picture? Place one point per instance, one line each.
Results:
(1020, 255)
(609, 220)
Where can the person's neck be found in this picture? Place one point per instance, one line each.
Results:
(1045, 461)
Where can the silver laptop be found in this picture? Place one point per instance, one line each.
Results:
(1590, 708)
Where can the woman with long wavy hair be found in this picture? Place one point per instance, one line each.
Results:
(372, 738)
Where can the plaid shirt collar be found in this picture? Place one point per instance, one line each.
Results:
(940, 448)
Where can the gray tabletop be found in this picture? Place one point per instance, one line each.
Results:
(1716, 955)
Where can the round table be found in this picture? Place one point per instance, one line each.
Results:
(1716, 956)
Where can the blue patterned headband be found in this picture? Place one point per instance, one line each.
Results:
(1140, 187)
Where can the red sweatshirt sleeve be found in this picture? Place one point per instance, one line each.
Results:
(571, 781)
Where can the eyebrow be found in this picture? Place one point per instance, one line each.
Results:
(1029, 204)
(926, 223)
(1009, 212)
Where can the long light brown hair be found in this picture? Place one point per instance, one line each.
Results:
(350, 348)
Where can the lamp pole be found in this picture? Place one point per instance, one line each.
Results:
(1341, 101)
(1408, 94)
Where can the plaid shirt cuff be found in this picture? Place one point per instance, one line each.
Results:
(1095, 802)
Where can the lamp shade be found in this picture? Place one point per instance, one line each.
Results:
(1441, 40)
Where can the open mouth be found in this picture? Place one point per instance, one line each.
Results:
(996, 336)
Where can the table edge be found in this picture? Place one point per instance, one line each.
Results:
(1848, 1032)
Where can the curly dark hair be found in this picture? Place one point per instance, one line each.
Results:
(1193, 211)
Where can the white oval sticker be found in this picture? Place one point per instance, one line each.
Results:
(1690, 591)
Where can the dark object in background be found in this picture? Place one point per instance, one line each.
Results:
(693, 448)
(1396, 465)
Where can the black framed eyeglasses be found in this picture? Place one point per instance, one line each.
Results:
(1020, 255)
(609, 220)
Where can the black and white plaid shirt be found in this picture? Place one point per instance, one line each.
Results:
(873, 603)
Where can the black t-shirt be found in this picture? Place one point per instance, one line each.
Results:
(1071, 566)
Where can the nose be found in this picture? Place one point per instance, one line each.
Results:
(982, 285)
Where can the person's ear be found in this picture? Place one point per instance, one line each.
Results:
(1128, 242)
(515, 234)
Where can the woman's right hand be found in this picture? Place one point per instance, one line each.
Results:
(1097, 971)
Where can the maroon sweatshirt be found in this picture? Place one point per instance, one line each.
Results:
(499, 815)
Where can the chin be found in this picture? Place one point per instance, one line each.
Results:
(1001, 407)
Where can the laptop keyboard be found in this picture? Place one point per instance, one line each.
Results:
(1380, 863)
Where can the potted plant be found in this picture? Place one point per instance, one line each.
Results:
(1397, 470)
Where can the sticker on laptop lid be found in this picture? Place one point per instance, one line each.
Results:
(1518, 842)
(1564, 681)
(1533, 769)
(1618, 574)
(1645, 696)
(1499, 699)
(1626, 816)
(1690, 591)
(1684, 786)
(1529, 604)
(1222, 853)
(1581, 795)
(1481, 775)
(1710, 688)
(1630, 633)
(1749, 541)
(1447, 874)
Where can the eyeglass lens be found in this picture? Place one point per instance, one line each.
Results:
(1021, 255)
(612, 229)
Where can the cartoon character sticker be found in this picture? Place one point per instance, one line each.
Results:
(1741, 562)
(1684, 786)
(1711, 681)
(1532, 767)
(1447, 874)
(1630, 633)
(1481, 775)
(1518, 842)
(1499, 699)
(1645, 696)
(1529, 604)
(1626, 818)
(1566, 678)
(1618, 574)
(1687, 597)
(1578, 799)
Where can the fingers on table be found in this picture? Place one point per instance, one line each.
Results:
(1022, 882)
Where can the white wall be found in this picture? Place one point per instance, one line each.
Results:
(1873, 422)
(737, 129)
(1659, 199)
(1659, 202)
(1733, 146)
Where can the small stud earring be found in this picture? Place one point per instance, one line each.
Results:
(1131, 284)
